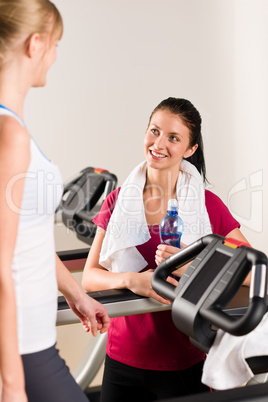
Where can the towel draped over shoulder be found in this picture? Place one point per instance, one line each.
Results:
(128, 228)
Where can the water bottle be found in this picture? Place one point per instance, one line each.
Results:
(171, 226)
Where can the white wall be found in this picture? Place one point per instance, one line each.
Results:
(119, 58)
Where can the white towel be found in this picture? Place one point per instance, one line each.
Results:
(226, 366)
(128, 228)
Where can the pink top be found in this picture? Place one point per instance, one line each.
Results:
(151, 340)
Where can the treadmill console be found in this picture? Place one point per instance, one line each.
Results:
(217, 270)
(82, 199)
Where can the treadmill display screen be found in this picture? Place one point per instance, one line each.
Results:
(200, 283)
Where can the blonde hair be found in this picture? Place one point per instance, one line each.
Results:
(22, 18)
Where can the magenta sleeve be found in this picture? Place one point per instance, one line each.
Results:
(103, 217)
(221, 220)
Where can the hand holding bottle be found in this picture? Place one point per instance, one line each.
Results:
(171, 226)
(170, 231)
(163, 252)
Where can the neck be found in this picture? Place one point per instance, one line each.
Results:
(159, 188)
(13, 87)
(162, 181)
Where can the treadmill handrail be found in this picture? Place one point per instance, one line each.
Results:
(105, 297)
(70, 255)
(257, 364)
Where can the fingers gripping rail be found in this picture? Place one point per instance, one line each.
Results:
(117, 303)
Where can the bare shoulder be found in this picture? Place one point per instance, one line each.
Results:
(11, 131)
(14, 141)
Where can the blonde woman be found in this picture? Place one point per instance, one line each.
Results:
(30, 272)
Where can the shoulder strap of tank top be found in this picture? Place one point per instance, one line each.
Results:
(5, 111)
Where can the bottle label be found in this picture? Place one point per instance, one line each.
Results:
(171, 239)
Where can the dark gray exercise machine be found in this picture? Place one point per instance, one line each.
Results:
(82, 199)
(124, 302)
(200, 301)
(218, 269)
(210, 291)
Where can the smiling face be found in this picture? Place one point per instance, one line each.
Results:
(167, 141)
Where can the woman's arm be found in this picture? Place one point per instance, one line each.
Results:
(95, 277)
(237, 235)
(91, 313)
(14, 160)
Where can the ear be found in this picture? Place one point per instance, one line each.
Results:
(190, 151)
(33, 45)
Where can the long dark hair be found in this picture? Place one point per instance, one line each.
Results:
(192, 119)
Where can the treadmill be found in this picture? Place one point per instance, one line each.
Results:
(204, 301)
(82, 198)
(233, 307)
(125, 302)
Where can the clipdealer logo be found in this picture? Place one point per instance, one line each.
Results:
(254, 189)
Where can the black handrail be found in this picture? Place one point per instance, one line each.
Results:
(258, 364)
(70, 255)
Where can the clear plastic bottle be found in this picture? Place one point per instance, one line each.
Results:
(171, 226)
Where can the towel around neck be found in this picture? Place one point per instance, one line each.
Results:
(128, 228)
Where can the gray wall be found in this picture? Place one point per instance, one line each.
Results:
(119, 58)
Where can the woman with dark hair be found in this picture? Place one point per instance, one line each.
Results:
(147, 357)
(192, 119)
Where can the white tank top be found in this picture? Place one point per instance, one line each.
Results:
(33, 264)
